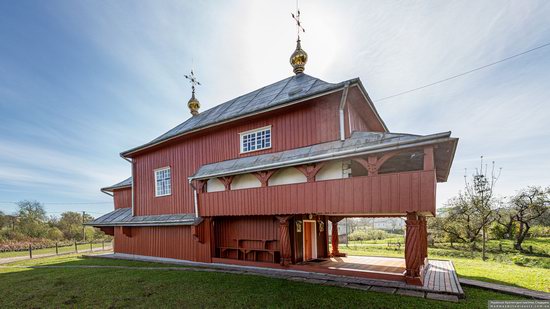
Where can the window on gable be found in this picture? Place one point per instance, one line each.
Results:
(256, 139)
(163, 185)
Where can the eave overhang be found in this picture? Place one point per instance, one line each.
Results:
(123, 217)
(336, 150)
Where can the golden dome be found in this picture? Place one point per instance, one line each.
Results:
(298, 59)
(194, 105)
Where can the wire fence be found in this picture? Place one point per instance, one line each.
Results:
(57, 248)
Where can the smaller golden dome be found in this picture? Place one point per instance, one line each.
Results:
(298, 59)
(194, 105)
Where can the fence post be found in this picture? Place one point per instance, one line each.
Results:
(56, 249)
(75, 246)
(500, 247)
(30, 251)
(91, 247)
(530, 249)
(103, 244)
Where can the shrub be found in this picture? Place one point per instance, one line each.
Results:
(539, 231)
(368, 235)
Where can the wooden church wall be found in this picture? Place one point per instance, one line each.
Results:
(304, 124)
(176, 242)
(122, 198)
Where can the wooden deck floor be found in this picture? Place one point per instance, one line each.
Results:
(440, 276)
(364, 264)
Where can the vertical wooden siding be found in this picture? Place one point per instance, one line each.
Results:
(175, 242)
(395, 193)
(250, 230)
(308, 123)
(123, 198)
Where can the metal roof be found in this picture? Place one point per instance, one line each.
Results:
(126, 183)
(359, 143)
(123, 217)
(295, 88)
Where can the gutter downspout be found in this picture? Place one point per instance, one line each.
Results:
(195, 198)
(341, 110)
(132, 164)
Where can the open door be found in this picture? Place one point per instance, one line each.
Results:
(310, 240)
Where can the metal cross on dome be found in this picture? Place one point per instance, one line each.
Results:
(297, 19)
(193, 80)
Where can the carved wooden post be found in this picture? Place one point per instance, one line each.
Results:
(284, 240)
(311, 170)
(334, 237)
(226, 182)
(413, 250)
(263, 176)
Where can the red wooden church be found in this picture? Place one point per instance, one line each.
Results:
(258, 179)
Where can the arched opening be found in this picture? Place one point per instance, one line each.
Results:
(331, 170)
(403, 162)
(358, 169)
(245, 181)
(214, 185)
(287, 176)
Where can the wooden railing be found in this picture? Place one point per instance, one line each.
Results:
(387, 194)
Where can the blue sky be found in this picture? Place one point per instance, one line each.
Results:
(81, 81)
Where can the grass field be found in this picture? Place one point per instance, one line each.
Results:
(115, 288)
(61, 249)
(500, 268)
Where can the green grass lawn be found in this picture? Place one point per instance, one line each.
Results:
(499, 268)
(61, 249)
(114, 288)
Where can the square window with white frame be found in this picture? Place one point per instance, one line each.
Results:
(163, 185)
(257, 139)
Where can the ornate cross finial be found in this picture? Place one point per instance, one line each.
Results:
(193, 80)
(193, 103)
(298, 58)
(298, 23)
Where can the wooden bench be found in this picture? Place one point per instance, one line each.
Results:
(243, 251)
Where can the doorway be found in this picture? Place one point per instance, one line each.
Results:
(310, 240)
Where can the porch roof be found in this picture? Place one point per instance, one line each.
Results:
(126, 183)
(123, 217)
(360, 143)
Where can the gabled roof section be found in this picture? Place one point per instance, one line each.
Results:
(126, 183)
(360, 143)
(291, 90)
(123, 217)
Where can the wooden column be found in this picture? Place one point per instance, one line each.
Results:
(226, 182)
(284, 240)
(311, 170)
(263, 176)
(334, 237)
(413, 250)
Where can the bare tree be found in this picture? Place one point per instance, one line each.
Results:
(479, 192)
(529, 205)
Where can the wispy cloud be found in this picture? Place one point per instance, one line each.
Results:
(82, 81)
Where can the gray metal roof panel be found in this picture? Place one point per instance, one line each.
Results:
(358, 142)
(290, 89)
(123, 184)
(123, 217)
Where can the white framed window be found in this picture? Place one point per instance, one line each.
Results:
(163, 185)
(256, 139)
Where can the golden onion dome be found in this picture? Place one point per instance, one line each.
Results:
(194, 105)
(298, 59)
